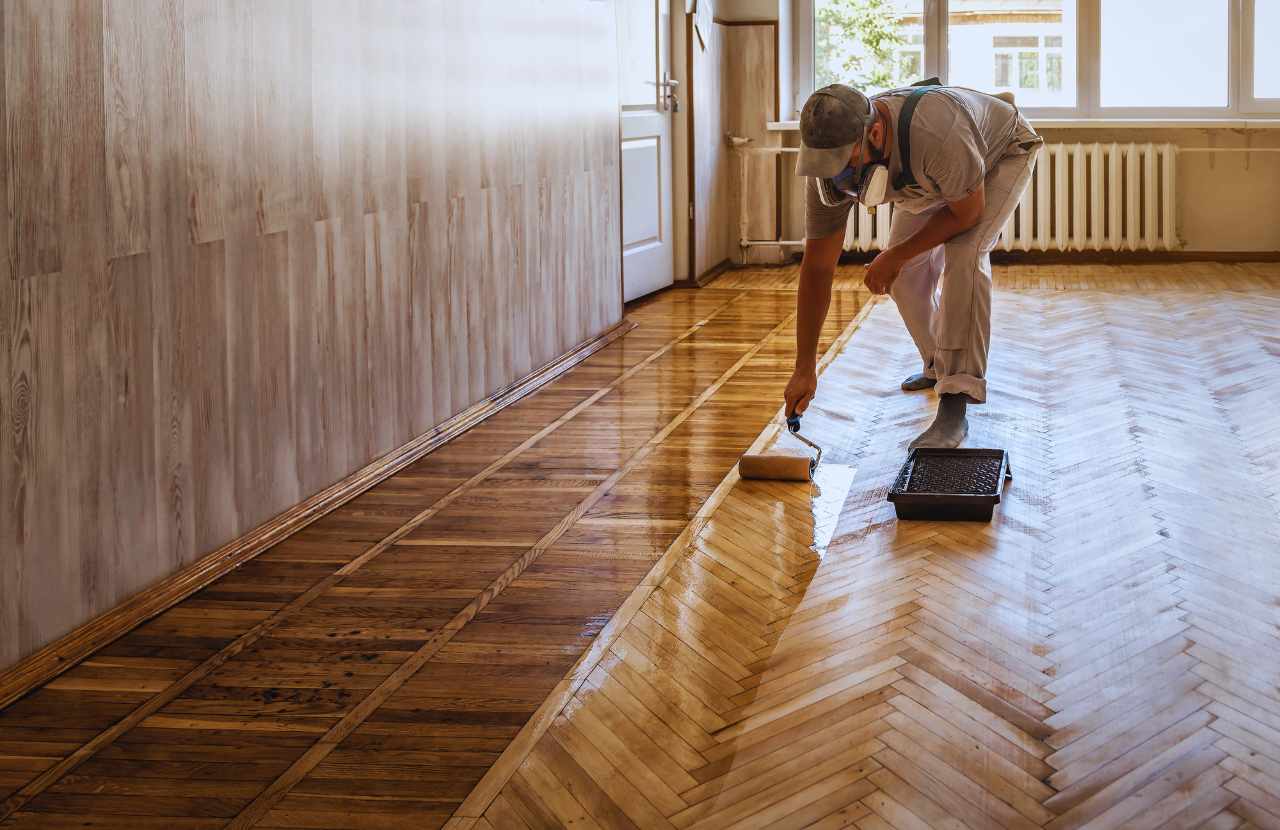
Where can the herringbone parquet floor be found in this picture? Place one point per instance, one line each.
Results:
(1106, 653)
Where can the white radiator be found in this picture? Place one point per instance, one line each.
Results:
(1083, 197)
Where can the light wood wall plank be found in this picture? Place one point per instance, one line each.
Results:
(715, 231)
(734, 93)
(250, 245)
(750, 100)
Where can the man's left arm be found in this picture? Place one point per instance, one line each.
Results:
(948, 222)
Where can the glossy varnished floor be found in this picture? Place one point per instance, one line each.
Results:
(1106, 653)
(1103, 654)
(368, 671)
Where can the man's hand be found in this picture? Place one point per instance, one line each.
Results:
(882, 271)
(800, 390)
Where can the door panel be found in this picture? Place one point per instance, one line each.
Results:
(642, 212)
(644, 64)
(638, 52)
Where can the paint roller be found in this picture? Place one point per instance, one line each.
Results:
(781, 464)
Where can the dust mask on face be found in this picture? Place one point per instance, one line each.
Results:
(868, 184)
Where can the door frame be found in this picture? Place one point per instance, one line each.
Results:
(682, 143)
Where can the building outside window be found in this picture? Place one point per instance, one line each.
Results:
(1026, 47)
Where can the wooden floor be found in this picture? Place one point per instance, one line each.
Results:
(1105, 654)
(570, 617)
(368, 670)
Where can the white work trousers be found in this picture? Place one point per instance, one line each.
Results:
(944, 294)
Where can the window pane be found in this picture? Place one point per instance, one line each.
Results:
(1030, 43)
(1029, 70)
(873, 45)
(1053, 72)
(1164, 53)
(1266, 57)
(1003, 63)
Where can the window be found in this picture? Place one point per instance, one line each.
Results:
(1060, 58)
(911, 59)
(1181, 59)
(1024, 40)
(1003, 63)
(1266, 55)
(1006, 48)
(871, 44)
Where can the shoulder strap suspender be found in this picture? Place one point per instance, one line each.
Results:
(905, 177)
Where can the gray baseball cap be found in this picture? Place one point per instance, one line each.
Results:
(834, 119)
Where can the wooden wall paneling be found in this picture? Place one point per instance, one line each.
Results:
(127, 147)
(43, 578)
(256, 393)
(390, 94)
(751, 100)
(307, 376)
(170, 261)
(15, 355)
(713, 243)
(206, 30)
(423, 175)
(204, 305)
(34, 243)
(497, 286)
(206, 494)
(271, 201)
(248, 247)
(129, 550)
(74, 458)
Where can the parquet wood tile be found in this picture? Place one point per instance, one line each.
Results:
(368, 670)
(1102, 655)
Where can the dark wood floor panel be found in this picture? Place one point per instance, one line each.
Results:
(348, 600)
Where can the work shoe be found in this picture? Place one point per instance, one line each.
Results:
(917, 382)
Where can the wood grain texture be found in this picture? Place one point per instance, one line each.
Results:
(414, 589)
(1100, 655)
(751, 100)
(734, 93)
(67, 651)
(251, 246)
(714, 234)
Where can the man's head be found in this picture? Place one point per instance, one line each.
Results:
(839, 127)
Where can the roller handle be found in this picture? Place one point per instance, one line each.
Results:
(793, 426)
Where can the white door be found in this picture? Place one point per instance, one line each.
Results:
(647, 98)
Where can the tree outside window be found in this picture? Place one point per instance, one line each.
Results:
(870, 44)
(1029, 70)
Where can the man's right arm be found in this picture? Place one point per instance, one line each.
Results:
(812, 301)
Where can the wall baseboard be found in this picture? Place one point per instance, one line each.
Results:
(62, 654)
(710, 274)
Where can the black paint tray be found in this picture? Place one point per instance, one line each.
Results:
(950, 485)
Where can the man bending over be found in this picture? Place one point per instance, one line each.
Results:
(954, 163)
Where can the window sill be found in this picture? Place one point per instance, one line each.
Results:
(1114, 123)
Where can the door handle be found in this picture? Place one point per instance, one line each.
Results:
(668, 86)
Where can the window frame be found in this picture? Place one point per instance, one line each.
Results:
(1241, 103)
(1249, 102)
